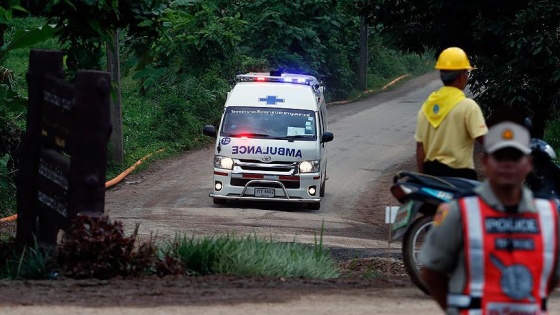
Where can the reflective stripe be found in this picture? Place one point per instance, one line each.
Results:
(475, 312)
(547, 222)
(475, 234)
(458, 300)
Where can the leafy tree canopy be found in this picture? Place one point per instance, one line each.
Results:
(85, 26)
(514, 44)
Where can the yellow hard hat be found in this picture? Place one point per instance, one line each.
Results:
(453, 58)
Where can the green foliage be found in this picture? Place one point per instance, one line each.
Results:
(316, 37)
(23, 38)
(201, 37)
(7, 10)
(11, 101)
(526, 75)
(515, 45)
(4, 174)
(7, 188)
(552, 133)
(251, 256)
(86, 26)
(30, 263)
(385, 64)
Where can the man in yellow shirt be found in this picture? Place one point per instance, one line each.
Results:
(449, 122)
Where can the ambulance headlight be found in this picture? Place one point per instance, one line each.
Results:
(223, 162)
(309, 167)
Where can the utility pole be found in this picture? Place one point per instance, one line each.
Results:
(363, 69)
(113, 67)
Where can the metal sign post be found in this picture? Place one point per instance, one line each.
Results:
(390, 214)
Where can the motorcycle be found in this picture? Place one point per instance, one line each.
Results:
(420, 195)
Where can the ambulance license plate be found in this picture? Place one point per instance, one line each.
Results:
(264, 192)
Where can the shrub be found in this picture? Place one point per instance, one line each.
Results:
(98, 248)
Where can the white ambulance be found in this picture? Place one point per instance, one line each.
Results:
(271, 142)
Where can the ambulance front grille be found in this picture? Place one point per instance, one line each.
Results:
(280, 166)
(243, 181)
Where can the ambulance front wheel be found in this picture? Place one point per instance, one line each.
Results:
(314, 205)
(219, 201)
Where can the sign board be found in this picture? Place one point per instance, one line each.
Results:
(391, 214)
(56, 120)
(63, 156)
(52, 184)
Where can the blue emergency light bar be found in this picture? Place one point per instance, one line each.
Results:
(284, 78)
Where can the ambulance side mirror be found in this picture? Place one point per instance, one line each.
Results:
(209, 131)
(327, 137)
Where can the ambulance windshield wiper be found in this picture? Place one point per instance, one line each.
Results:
(249, 134)
(292, 138)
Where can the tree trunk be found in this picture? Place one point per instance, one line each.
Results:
(542, 112)
(3, 29)
(539, 124)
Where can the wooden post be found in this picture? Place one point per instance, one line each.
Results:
(89, 158)
(113, 67)
(363, 69)
(40, 63)
(56, 146)
(63, 150)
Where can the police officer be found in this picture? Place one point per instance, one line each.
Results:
(496, 250)
(449, 122)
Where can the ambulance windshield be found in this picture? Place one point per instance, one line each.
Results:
(269, 123)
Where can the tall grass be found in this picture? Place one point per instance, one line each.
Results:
(31, 263)
(251, 256)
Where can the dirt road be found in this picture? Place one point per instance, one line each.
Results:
(233, 296)
(372, 137)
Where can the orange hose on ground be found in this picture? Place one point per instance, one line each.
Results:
(108, 184)
(395, 81)
(371, 91)
(9, 219)
(122, 175)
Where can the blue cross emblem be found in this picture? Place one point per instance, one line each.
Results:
(271, 100)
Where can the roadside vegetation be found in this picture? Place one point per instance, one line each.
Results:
(175, 81)
(99, 249)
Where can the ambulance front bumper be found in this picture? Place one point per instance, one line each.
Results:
(251, 198)
(274, 187)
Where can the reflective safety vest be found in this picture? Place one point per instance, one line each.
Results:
(509, 259)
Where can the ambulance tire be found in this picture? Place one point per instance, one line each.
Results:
(314, 205)
(409, 250)
(219, 201)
